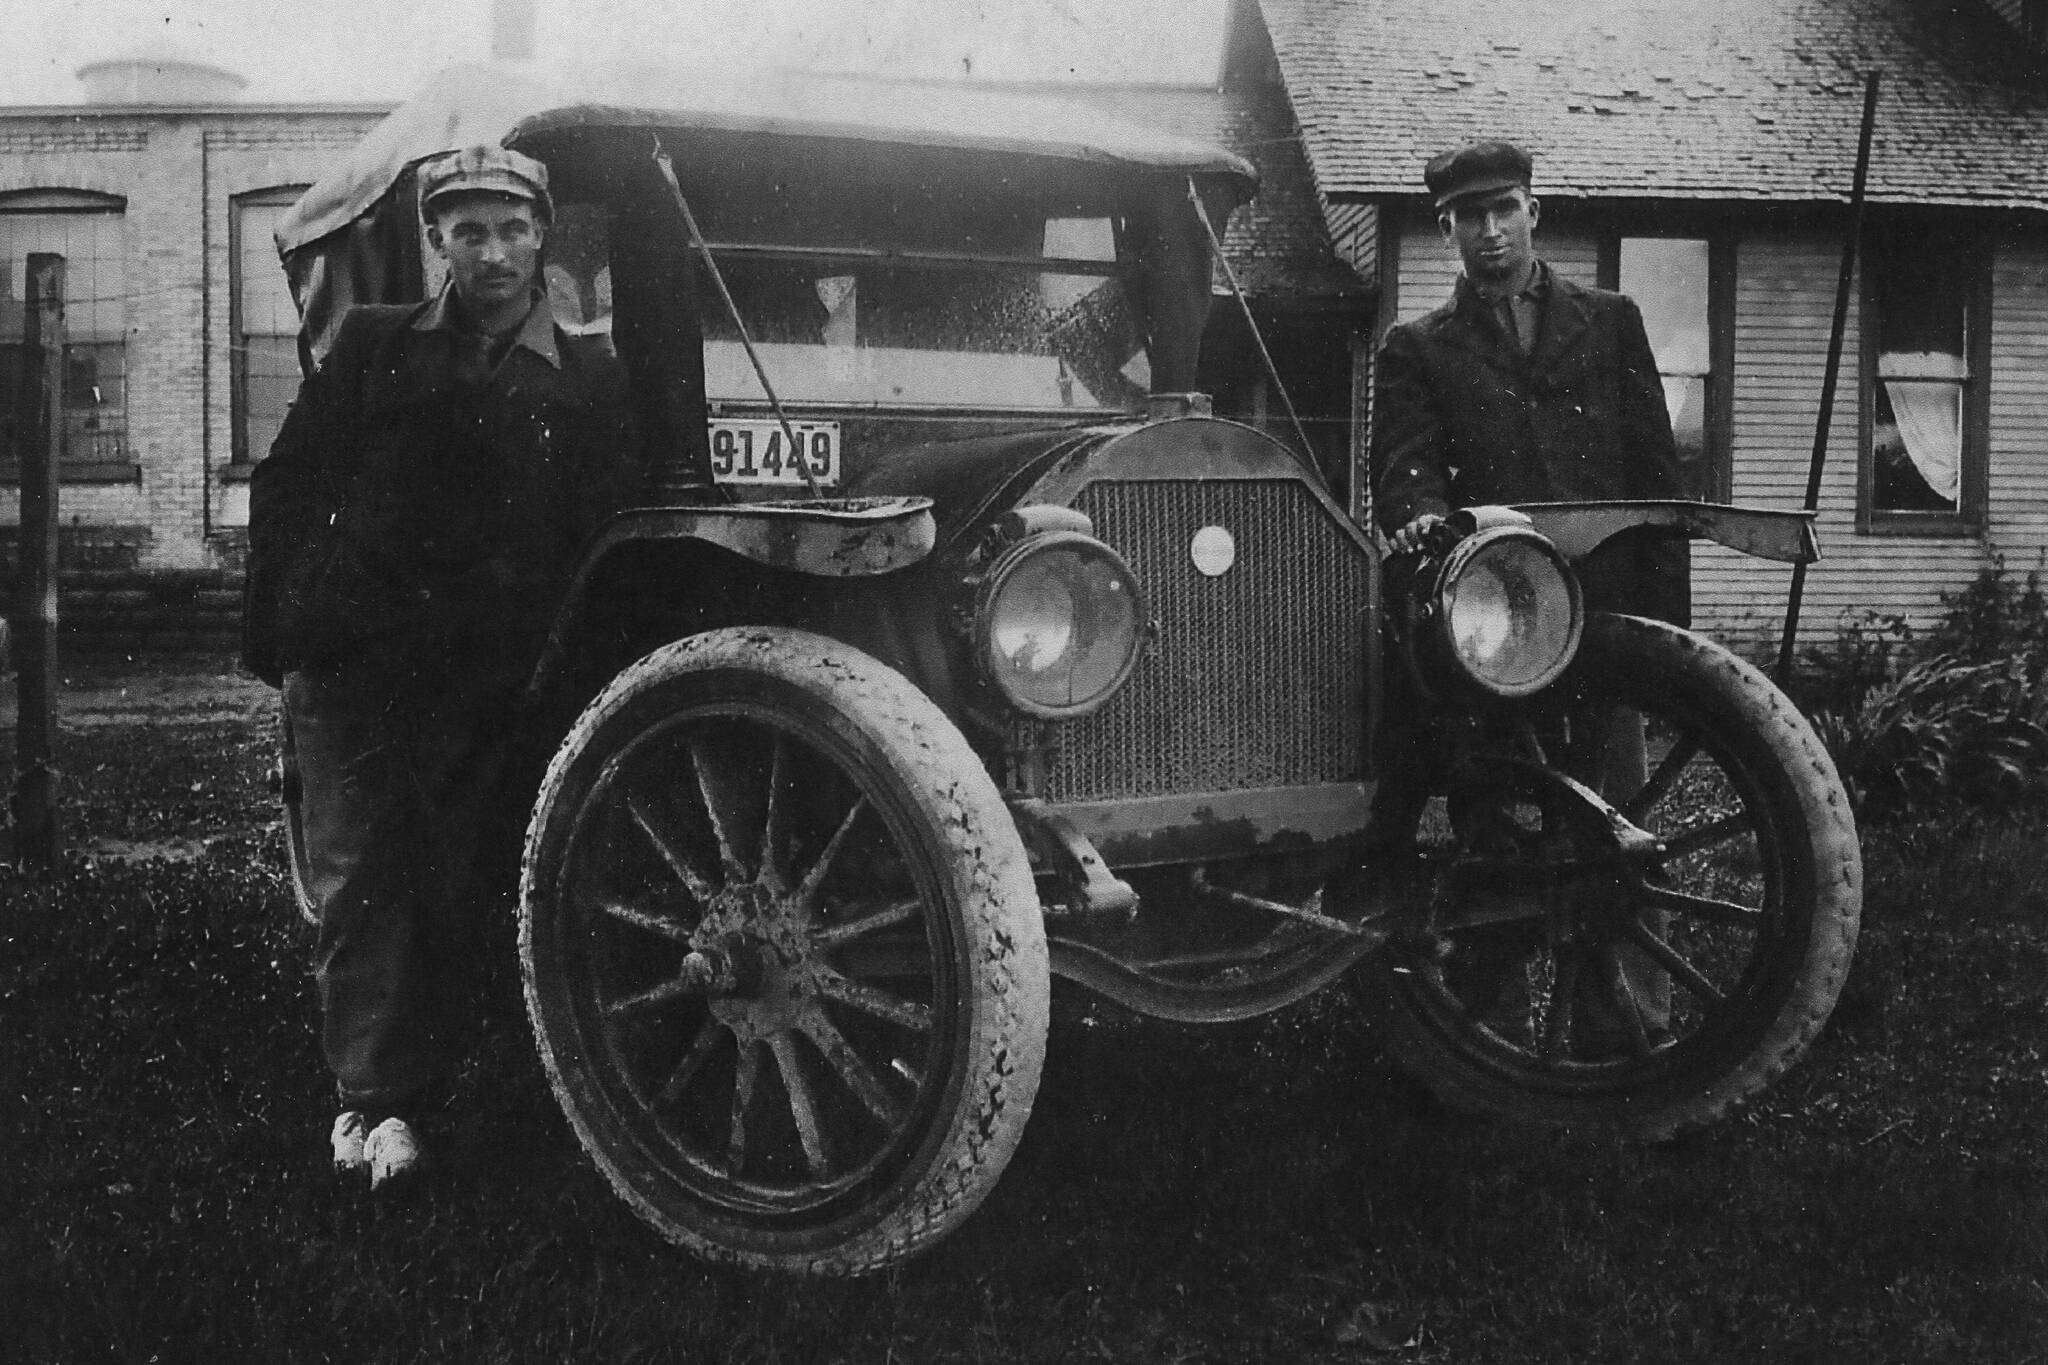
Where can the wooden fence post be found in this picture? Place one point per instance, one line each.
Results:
(42, 428)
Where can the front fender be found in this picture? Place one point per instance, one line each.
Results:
(826, 538)
(1579, 528)
(832, 538)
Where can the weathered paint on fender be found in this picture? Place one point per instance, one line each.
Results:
(1578, 528)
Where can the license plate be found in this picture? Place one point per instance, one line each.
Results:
(754, 450)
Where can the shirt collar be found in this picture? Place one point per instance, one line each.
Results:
(1536, 290)
(536, 334)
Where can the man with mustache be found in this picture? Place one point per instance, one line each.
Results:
(410, 533)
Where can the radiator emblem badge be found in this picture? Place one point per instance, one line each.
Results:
(1213, 550)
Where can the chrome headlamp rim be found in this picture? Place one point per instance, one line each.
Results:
(1457, 566)
(1014, 557)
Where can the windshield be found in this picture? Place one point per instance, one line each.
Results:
(920, 302)
(926, 336)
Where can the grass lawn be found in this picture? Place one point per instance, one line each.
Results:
(1266, 1192)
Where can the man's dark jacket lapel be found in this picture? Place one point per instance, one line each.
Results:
(1565, 320)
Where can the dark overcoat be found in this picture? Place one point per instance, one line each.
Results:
(1463, 417)
(410, 524)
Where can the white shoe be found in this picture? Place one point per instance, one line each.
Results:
(351, 1131)
(393, 1153)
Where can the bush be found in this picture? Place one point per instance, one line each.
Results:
(1957, 717)
(1995, 618)
(1837, 676)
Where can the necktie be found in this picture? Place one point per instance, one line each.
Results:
(1504, 309)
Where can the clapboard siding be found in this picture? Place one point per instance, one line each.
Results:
(1429, 268)
(2018, 527)
(1785, 295)
(1784, 309)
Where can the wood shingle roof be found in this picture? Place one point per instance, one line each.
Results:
(1672, 99)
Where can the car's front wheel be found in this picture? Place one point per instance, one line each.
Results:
(782, 953)
(1586, 975)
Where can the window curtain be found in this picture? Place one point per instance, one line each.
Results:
(1930, 415)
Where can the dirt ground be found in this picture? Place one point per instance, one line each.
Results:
(189, 692)
(1268, 1191)
(104, 690)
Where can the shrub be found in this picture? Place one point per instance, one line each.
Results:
(1838, 675)
(1957, 717)
(1943, 731)
(1995, 617)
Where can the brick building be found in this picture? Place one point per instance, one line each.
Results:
(159, 196)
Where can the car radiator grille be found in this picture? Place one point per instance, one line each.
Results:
(1259, 675)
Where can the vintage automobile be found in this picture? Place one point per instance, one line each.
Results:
(958, 647)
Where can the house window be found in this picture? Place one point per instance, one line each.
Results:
(85, 230)
(1678, 283)
(266, 325)
(1923, 358)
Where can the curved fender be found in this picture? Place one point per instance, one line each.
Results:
(830, 538)
(1578, 528)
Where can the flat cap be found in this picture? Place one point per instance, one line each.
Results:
(486, 169)
(1476, 168)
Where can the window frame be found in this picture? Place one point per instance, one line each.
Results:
(1973, 492)
(240, 459)
(1718, 419)
(55, 201)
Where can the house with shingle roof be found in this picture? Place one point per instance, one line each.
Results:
(1700, 157)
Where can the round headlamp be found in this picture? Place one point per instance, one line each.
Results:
(1058, 622)
(1508, 613)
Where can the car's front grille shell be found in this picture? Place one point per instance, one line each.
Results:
(1258, 679)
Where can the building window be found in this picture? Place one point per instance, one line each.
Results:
(85, 230)
(1926, 289)
(1684, 289)
(266, 324)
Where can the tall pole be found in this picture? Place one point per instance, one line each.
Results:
(1827, 386)
(42, 409)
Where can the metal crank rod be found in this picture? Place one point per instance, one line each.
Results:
(1371, 929)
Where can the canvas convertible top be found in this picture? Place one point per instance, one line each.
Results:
(480, 102)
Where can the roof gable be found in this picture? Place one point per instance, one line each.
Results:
(1686, 99)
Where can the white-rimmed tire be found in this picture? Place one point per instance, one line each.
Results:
(782, 953)
(1653, 990)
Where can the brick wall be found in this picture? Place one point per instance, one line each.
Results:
(179, 172)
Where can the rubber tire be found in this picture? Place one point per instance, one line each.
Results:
(1811, 811)
(996, 929)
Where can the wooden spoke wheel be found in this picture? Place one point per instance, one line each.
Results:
(1586, 975)
(782, 953)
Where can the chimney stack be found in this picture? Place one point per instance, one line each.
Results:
(512, 30)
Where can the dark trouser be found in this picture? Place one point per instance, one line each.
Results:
(395, 796)
(1608, 754)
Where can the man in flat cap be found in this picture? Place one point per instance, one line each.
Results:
(1524, 387)
(1527, 387)
(410, 533)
